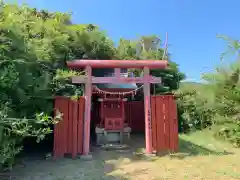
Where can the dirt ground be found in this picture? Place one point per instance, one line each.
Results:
(199, 157)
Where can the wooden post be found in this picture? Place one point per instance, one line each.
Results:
(117, 72)
(87, 115)
(147, 105)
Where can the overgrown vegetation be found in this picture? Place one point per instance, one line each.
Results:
(214, 104)
(34, 48)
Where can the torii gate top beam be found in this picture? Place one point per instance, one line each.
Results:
(152, 64)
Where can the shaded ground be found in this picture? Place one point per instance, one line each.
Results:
(200, 157)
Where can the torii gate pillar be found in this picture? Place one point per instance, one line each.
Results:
(147, 105)
(146, 80)
(87, 114)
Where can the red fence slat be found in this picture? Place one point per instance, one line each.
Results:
(70, 128)
(65, 112)
(160, 124)
(75, 127)
(171, 122)
(61, 105)
(68, 133)
(167, 121)
(80, 125)
(164, 123)
(154, 123)
(175, 125)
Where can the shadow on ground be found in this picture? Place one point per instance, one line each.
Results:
(187, 149)
(35, 166)
(104, 161)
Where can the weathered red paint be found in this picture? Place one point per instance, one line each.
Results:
(164, 124)
(59, 129)
(148, 128)
(112, 113)
(117, 72)
(133, 115)
(68, 133)
(116, 90)
(81, 105)
(70, 128)
(74, 127)
(87, 116)
(113, 123)
(173, 124)
(154, 124)
(153, 64)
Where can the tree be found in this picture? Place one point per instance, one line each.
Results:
(148, 48)
(34, 48)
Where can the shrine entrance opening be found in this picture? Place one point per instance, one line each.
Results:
(109, 123)
(114, 115)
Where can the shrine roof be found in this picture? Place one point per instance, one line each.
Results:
(109, 72)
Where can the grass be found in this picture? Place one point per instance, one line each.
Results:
(200, 156)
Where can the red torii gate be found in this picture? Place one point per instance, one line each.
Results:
(117, 64)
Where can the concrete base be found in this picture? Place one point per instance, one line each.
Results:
(144, 155)
(113, 136)
(115, 147)
(86, 157)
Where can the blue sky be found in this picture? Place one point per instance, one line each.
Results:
(192, 25)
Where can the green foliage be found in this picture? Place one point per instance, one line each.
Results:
(33, 52)
(133, 50)
(195, 111)
(216, 103)
(14, 130)
(34, 48)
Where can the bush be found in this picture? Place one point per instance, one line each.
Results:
(229, 132)
(215, 105)
(194, 111)
(13, 131)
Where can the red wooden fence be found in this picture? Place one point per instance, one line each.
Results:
(68, 133)
(134, 113)
(164, 123)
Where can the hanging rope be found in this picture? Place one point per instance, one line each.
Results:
(118, 93)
